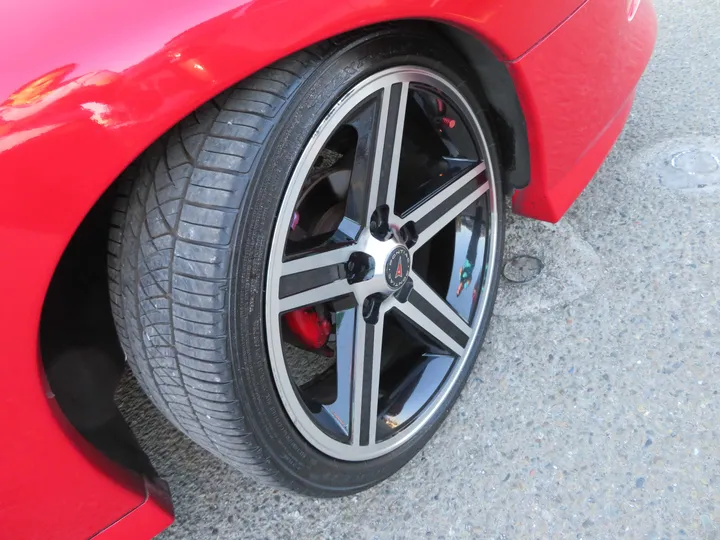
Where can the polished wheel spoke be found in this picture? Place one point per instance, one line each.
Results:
(425, 291)
(387, 147)
(304, 263)
(469, 180)
(313, 279)
(431, 313)
(366, 383)
(443, 207)
(315, 295)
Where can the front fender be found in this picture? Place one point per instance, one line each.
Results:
(88, 85)
(108, 78)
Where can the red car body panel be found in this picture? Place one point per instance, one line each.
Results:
(576, 98)
(88, 85)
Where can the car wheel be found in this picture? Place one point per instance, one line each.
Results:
(303, 270)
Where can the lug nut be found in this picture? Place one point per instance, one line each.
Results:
(408, 234)
(371, 308)
(380, 223)
(359, 267)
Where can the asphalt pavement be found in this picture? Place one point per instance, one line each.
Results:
(593, 410)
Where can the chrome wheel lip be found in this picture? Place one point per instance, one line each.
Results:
(293, 407)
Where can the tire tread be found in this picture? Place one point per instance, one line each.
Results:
(169, 256)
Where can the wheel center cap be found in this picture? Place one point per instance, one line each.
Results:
(397, 267)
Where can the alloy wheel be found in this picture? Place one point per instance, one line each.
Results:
(382, 246)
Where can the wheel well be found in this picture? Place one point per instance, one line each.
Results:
(81, 354)
(504, 110)
(80, 351)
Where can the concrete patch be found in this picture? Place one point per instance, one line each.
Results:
(570, 268)
(522, 269)
(688, 164)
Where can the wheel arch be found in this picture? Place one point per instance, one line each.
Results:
(505, 113)
(129, 116)
(92, 201)
(126, 140)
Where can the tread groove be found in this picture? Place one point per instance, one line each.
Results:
(155, 269)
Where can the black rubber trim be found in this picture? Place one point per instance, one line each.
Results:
(503, 107)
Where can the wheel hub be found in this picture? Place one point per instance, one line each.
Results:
(380, 268)
(397, 267)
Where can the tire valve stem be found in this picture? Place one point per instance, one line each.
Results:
(448, 122)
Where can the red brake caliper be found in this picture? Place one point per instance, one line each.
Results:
(308, 325)
(311, 329)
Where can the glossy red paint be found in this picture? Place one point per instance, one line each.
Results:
(153, 516)
(88, 85)
(576, 100)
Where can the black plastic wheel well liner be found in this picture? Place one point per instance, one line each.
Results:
(80, 352)
(505, 113)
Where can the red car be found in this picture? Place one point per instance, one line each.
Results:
(286, 216)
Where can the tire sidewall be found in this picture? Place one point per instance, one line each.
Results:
(352, 60)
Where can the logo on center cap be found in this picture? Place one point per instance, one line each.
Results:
(397, 267)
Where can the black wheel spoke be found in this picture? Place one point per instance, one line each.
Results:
(429, 311)
(387, 147)
(313, 279)
(366, 377)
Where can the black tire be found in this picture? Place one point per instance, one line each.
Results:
(188, 255)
